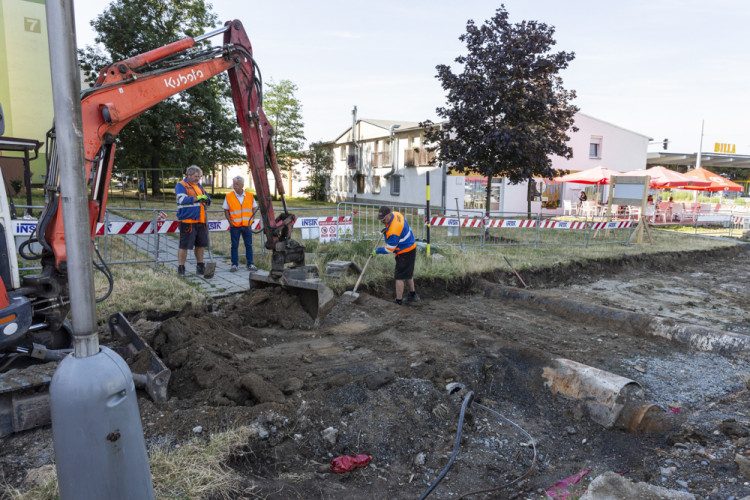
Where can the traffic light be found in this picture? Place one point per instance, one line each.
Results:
(666, 141)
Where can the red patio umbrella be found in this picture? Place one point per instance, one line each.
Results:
(715, 181)
(598, 175)
(663, 178)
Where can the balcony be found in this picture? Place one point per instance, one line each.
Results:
(418, 158)
(382, 159)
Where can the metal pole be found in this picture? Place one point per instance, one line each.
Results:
(700, 148)
(69, 128)
(427, 215)
(99, 447)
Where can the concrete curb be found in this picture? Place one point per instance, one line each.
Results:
(698, 337)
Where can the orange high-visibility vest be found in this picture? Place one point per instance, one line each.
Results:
(190, 190)
(398, 236)
(241, 214)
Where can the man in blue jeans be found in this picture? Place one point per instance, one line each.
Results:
(239, 208)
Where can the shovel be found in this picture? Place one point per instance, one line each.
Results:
(353, 295)
(210, 266)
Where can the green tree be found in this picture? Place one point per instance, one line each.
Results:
(197, 126)
(284, 111)
(507, 111)
(319, 164)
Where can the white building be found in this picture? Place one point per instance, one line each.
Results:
(384, 162)
(599, 143)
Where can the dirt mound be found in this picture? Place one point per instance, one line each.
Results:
(207, 348)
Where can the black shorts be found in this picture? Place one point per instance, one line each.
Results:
(405, 265)
(193, 234)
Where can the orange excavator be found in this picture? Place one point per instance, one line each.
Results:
(33, 309)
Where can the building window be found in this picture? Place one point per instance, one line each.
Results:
(595, 147)
(376, 184)
(395, 185)
(360, 184)
(342, 153)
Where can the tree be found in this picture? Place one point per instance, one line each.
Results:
(319, 163)
(197, 126)
(507, 110)
(284, 111)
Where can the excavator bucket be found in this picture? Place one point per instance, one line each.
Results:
(149, 371)
(314, 296)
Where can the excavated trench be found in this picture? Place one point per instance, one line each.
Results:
(389, 381)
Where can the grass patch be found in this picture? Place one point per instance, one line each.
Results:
(473, 261)
(198, 470)
(139, 287)
(195, 470)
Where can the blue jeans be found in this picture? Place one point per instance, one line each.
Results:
(247, 238)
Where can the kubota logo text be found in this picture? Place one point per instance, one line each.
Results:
(180, 80)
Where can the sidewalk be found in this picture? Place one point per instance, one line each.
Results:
(224, 282)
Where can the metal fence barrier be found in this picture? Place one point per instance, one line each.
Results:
(123, 243)
(474, 229)
(720, 223)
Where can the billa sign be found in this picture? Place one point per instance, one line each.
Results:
(721, 147)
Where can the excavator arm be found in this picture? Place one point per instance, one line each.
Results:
(123, 91)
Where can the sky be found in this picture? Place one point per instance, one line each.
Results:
(661, 68)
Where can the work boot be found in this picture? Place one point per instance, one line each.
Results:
(233, 269)
(412, 297)
(181, 271)
(200, 268)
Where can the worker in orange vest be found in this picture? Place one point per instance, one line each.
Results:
(192, 201)
(239, 209)
(399, 240)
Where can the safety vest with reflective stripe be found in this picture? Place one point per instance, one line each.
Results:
(190, 210)
(398, 236)
(240, 213)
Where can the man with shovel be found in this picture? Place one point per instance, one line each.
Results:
(399, 240)
(192, 201)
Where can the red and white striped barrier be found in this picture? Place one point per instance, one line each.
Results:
(621, 224)
(27, 226)
(527, 223)
(509, 223)
(454, 222)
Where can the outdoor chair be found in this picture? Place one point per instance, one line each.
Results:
(677, 212)
(653, 215)
(568, 207)
(589, 208)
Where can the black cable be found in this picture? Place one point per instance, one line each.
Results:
(468, 399)
(104, 269)
(29, 241)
